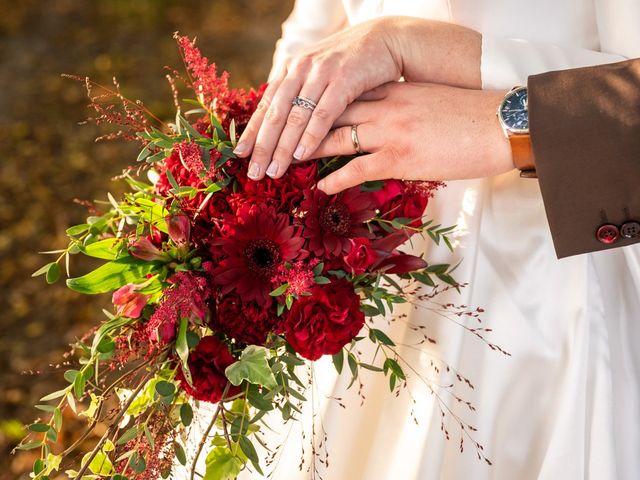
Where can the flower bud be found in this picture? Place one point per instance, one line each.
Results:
(179, 229)
(128, 302)
(145, 250)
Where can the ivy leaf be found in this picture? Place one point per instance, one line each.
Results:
(111, 276)
(222, 465)
(253, 366)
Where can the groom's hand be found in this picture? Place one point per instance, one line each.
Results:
(418, 132)
(337, 70)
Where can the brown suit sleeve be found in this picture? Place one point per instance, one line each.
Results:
(585, 131)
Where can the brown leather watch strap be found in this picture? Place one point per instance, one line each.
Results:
(522, 154)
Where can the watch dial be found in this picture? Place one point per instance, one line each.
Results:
(515, 112)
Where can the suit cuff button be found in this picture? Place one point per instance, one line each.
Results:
(608, 234)
(630, 229)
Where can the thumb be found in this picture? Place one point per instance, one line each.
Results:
(361, 169)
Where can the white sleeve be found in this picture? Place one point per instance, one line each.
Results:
(309, 22)
(508, 62)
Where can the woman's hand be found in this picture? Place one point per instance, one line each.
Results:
(338, 70)
(418, 132)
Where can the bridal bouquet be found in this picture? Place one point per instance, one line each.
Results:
(221, 288)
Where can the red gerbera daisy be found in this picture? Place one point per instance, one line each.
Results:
(331, 221)
(254, 248)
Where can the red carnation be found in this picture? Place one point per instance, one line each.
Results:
(253, 249)
(245, 322)
(361, 256)
(323, 323)
(207, 363)
(331, 221)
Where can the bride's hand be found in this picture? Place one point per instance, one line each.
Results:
(337, 70)
(418, 132)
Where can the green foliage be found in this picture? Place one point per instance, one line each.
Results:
(112, 275)
(252, 366)
(222, 464)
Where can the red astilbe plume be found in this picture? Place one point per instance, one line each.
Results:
(186, 299)
(253, 250)
(213, 90)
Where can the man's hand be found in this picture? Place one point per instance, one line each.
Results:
(419, 132)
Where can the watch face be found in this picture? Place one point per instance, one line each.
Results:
(514, 111)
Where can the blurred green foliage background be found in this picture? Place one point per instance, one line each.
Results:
(47, 160)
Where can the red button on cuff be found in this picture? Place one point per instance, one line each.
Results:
(608, 234)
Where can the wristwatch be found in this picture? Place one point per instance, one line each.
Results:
(513, 114)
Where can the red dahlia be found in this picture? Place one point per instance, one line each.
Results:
(331, 221)
(323, 323)
(253, 249)
(207, 363)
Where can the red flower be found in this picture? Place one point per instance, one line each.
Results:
(179, 229)
(323, 323)
(361, 256)
(128, 301)
(187, 299)
(144, 249)
(404, 199)
(254, 248)
(331, 221)
(207, 363)
(245, 322)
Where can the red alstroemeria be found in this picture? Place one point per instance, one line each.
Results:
(128, 301)
(179, 229)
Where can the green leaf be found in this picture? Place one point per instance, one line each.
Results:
(257, 400)
(180, 454)
(70, 375)
(112, 275)
(53, 274)
(249, 450)
(373, 186)
(172, 180)
(128, 435)
(182, 348)
(213, 188)
(222, 465)
(186, 414)
(382, 337)
(252, 366)
(280, 290)
(391, 364)
(54, 395)
(78, 229)
(338, 361)
(39, 427)
(105, 249)
(165, 389)
(100, 465)
(78, 386)
(368, 366)
(43, 270)
(322, 280)
(317, 270)
(57, 419)
(29, 446)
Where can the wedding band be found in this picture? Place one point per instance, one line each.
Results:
(354, 139)
(304, 102)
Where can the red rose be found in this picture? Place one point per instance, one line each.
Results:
(243, 321)
(207, 363)
(325, 321)
(361, 256)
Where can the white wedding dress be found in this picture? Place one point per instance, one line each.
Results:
(566, 404)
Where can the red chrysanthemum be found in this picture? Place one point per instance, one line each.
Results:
(207, 363)
(323, 323)
(253, 249)
(245, 322)
(331, 221)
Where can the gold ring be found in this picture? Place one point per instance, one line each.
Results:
(354, 139)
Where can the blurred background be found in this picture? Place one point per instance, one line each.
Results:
(47, 159)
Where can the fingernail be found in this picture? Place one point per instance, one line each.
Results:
(299, 152)
(254, 171)
(321, 184)
(272, 171)
(240, 148)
